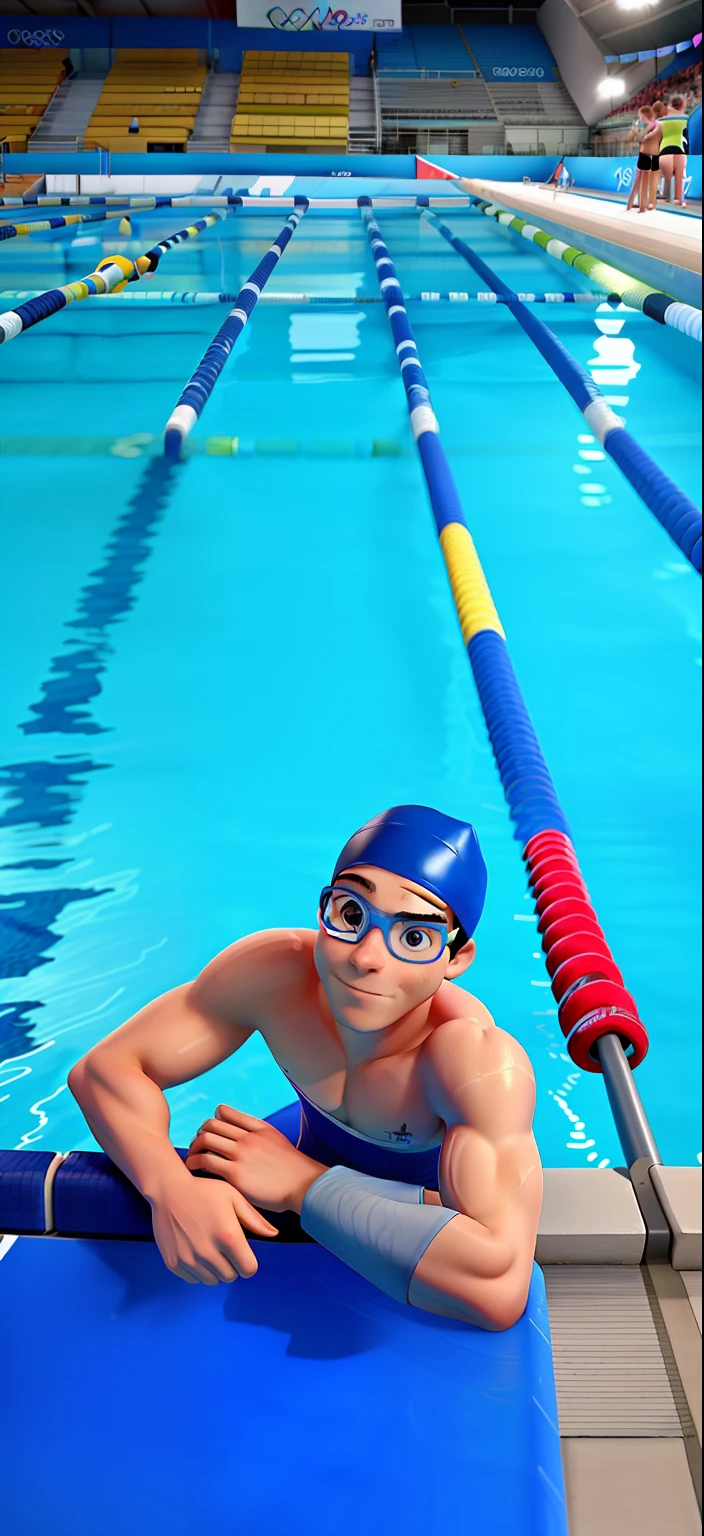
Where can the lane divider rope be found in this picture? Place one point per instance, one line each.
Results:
(167, 296)
(65, 221)
(200, 387)
(658, 306)
(676, 511)
(243, 199)
(110, 276)
(592, 999)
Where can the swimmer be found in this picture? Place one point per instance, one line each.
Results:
(647, 129)
(416, 1162)
(673, 155)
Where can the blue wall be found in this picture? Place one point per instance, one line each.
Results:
(180, 32)
(612, 174)
(499, 167)
(615, 174)
(510, 53)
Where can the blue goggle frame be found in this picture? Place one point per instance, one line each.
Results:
(374, 918)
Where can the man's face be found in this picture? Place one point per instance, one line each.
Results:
(367, 987)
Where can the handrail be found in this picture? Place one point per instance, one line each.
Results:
(377, 110)
(49, 104)
(410, 73)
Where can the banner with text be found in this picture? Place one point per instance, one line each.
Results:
(290, 20)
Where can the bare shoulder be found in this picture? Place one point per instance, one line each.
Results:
(247, 977)
(467, 1045)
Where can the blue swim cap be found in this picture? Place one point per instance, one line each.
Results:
(433, 850)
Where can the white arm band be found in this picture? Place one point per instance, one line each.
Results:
(379, 1228)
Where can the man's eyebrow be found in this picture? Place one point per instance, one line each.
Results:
(368, 884)
(422, 917)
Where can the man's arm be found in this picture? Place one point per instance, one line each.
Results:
(478, 1267)
(119, 1085)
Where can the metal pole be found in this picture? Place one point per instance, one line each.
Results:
(640, 1148)
(634, 1133)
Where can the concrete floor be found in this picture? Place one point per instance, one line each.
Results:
(627, 1348)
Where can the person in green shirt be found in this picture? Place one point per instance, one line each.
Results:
(673, 155)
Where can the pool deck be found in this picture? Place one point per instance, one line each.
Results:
(627, 1351)
(663, 236)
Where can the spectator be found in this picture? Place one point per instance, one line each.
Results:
(647, 132)
(673, 157)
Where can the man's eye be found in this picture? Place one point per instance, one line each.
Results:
(416, 938)
(351, 914)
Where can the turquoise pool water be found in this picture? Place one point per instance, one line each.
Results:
(180, 756)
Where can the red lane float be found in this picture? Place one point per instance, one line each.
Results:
(586, 982)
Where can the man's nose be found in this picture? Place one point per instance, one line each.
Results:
(370, 953)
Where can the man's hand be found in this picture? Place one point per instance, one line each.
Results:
(255, 1159)
(198, 1229)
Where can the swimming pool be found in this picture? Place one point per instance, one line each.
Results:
(182, 756)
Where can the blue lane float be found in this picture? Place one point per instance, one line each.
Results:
(676, 511)
(58, 221)
(588, 1012)
(658, 306)
(200, 387)
(110, 276)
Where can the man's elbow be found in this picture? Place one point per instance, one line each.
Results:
(83, 1073)
(498, 1305)
(77, 1078)
(504, 1300)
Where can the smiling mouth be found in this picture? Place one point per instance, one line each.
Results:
(362, 991)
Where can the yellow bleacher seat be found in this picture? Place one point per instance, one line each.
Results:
(161, 87)
(28, 80)
(156, 55)
(298, 100)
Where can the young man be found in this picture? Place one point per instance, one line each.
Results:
(648, 131)
(416, 1162)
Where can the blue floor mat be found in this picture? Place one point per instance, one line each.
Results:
(303, 1401)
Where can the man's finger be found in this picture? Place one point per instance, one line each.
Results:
(222, 1128)
(195, 1274)
(210, 1162)
(233, 1244)
(236, 1117)
(209, 1141)
(251, 1218)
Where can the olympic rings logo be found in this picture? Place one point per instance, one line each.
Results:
(39, 39)
(526, 72)
(298, 20)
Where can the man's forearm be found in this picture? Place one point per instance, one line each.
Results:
(129, 1117)
(434, 1258)
(468, 1273)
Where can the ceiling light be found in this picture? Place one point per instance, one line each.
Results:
(612, 86)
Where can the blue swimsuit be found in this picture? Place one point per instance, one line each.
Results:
(328, 1141)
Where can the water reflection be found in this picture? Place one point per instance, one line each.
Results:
(45, 794)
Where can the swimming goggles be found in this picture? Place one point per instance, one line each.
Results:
(348, 916)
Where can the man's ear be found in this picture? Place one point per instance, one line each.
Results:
(461, 961)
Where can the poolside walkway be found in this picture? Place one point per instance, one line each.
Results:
(664, 236)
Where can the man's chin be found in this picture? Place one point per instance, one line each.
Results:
(355, 1011)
